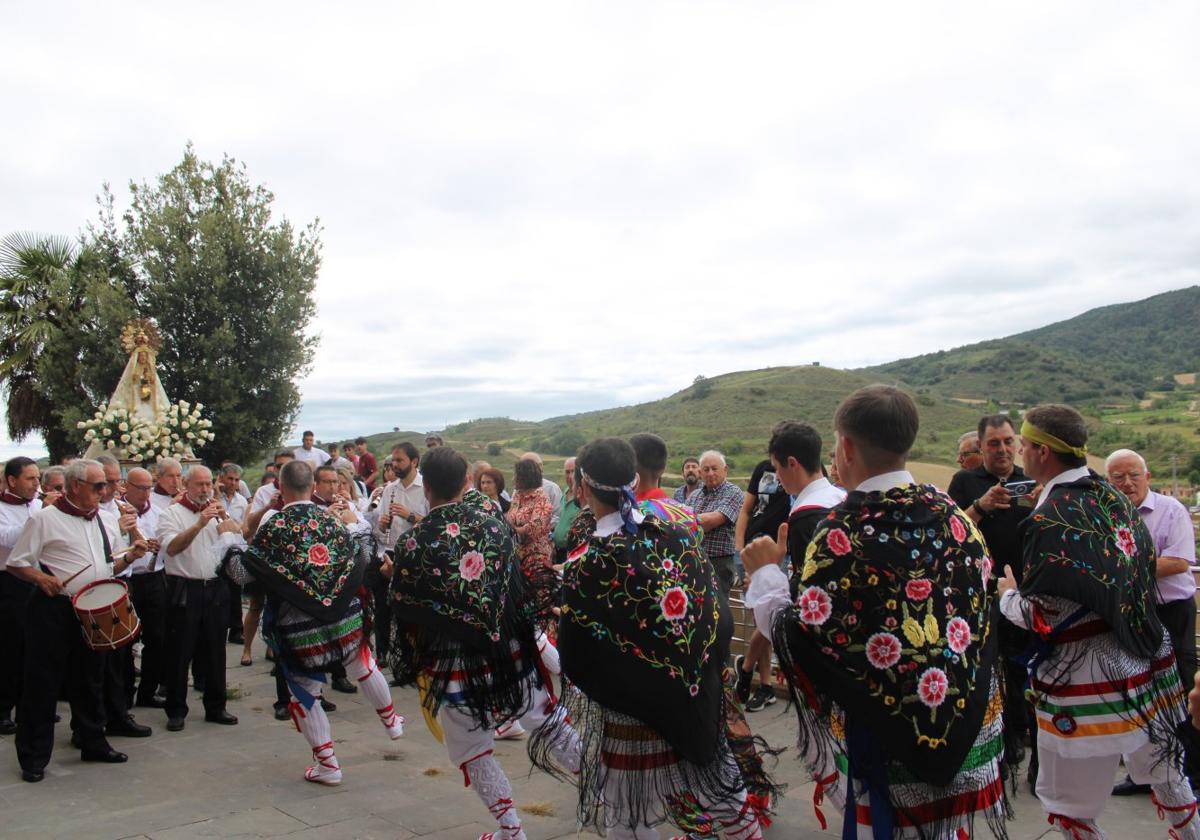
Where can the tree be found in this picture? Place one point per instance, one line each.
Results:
(231, 290)
(60, 319)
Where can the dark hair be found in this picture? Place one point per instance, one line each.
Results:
(691, 459)
(15, 466)
(993, 421)
(285, 453)
(443, 470)
(359, 440)
(1066, 424)
(324, 468)
(883, 422)
(296, 476)
(650, 451)
(796, 440)
(306, 434)
(527, 474)
(410, 451)
(495, 475)
(609, 461)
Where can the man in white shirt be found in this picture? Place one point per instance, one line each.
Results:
(229, 483)
(17, 503)
(168, 484)
(61, 550)
(148, 590)
(197, 600)
(310, 454)
(266, 496)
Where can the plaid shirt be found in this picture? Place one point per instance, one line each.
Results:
(726, 498)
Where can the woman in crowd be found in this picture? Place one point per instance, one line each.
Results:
(348, 487)
(530, 515)
(490, 482)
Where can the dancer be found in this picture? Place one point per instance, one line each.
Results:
(643, 639)
(311, 571)
(457, 579)
(889, 647)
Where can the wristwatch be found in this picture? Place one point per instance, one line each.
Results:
(411, 519)
(979, 508)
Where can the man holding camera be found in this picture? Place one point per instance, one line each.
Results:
(996, 496)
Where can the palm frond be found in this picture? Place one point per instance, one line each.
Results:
(36, 254)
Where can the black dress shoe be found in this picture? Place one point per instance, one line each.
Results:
(328, 706)
(1128, 787)
(344, 685)
(33, 775)
(129, 727)
(174, 724)
(222, 717)
(155, 702)
(75, 741)
(107, 756)
(7, 727)
(282, 713)
(237, 638)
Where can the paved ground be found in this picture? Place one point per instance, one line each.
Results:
(246, 781)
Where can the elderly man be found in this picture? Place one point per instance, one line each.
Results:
(167, 485)
(433, 440)
(229, 484)
(62, 550)
(691, 479)
(197, 600)
(310, 454)
(54, 482)
(267, 496)
(1103, 679)
(717, 505)
(983, 494)
(147, 589)
(969, 455)
(568, 509)
(1174, 543)
(17, 503)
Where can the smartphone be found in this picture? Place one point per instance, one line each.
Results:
(1020, 488)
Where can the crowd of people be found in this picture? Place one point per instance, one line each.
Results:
(932, 641)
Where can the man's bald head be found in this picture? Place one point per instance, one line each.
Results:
(532, 456)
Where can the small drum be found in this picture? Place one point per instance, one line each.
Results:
(106, 614)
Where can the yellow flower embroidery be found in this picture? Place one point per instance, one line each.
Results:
(931, 629)
(913, 631)
(872, 580)
(810, 569)
(891, 604)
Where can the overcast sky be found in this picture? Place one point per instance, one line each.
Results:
(539, 209)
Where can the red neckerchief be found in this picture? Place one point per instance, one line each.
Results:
(64, 504)
(187, 502)
(158, 489)
(652, 493)
(10, 498)
(319, 501)
(141, 511)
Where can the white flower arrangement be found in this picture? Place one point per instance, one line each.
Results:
(172, 433)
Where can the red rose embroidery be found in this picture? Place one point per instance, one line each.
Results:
(1125, 542)
(470, 567)
(918, 590)
(838, 542)
(815, 605)
(318, 555)
(452, 529)
(958, 634)
(883, 650)
(957, 529)
(931, 688)
(674, 604)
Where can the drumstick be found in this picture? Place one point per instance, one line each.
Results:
(77, 574)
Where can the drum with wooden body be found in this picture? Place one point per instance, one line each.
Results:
(106, 614)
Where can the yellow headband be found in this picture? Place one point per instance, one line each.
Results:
(1033, 434)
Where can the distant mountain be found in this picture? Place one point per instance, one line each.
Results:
(1108, 354)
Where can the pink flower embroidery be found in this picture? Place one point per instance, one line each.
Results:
(815, 605)
(957, 529)
(918, 590)
(1125, 542)
(931, 688)
(410, 544)
(985, 565)
(452, 529)
(958, 634)
(470, 567)
(318, 555)
(838, 542)
(674, 604)
(883, 650)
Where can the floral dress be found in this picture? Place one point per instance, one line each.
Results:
(534, 547)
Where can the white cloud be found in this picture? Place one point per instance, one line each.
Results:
(571, 205)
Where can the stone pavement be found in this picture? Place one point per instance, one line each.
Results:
(246, 781)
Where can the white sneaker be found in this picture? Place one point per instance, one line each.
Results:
(323, 774)
(395, 729)
(511, 731)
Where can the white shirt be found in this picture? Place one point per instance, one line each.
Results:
(121, 540)
(412, 497)
(610, 523)
(263, 496)
(886, 481)
(12, 522)
(236, 506)
(160, 502)
(819, 493)
(313, 457)
(64, 545)
(554, 493)
(148, 527)
(1076, 474)
(197, 561)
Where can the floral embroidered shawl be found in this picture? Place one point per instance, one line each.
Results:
(894, 623)
(304, 556)
(1087, 543)
(644, 633)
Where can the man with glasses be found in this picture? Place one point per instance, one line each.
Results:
(148, 590)
(969, 456)
(1175, 546)
(62, 550)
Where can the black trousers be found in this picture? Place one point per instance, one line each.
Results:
(235, 606)
(149, 594)
(380, 594)
(1179, 617)
(197, 618)
(56, 656)
(14, 596)
(118, 678)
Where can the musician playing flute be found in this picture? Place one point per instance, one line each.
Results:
(64, 548)
(197, 600)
